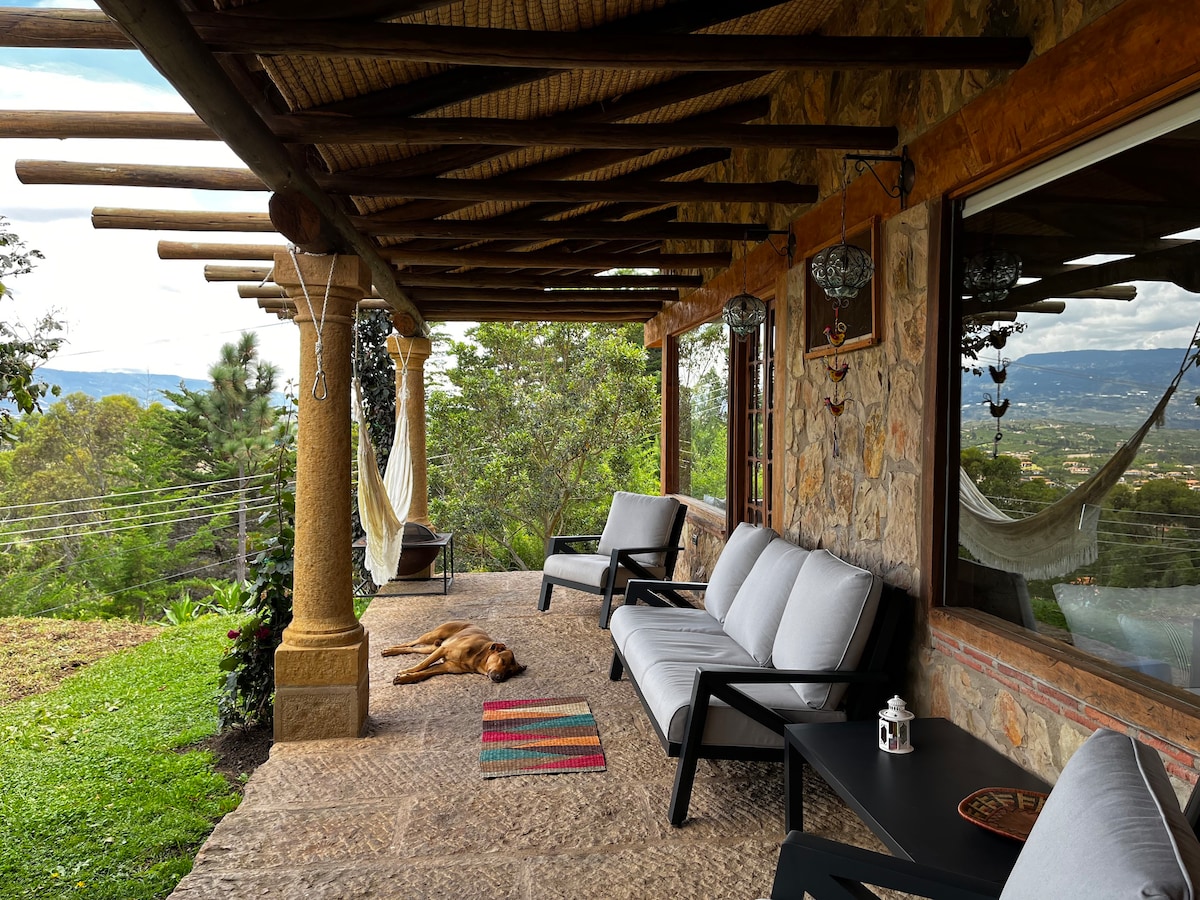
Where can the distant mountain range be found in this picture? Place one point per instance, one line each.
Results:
(1099, 387)
(144, 387)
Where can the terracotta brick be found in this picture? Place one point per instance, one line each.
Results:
(1176, 753)
(1015, 673)
(1104, 720)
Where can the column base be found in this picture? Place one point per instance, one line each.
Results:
(321, 693)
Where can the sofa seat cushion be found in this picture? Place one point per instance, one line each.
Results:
(638, 520)
(647, 647)
(1111, 827)
(590, 569)
(754, 615)
(667, 689)
(628, 619)
(738, 557)
(826, 623)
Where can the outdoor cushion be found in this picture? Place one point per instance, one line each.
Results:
(1111, 827)
(741, 551)
(1161, 639)
(638, 520)
(630, 618)
(826, 623)
(649, 646)
(667, 688)
(590, 568)
(755, 612)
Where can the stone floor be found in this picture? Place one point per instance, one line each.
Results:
(403, 811)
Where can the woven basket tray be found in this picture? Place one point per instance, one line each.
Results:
(1010, 812)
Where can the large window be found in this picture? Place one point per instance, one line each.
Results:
(1079, 515)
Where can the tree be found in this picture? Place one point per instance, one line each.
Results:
(237, 419)
(540, 424)
(22, 350)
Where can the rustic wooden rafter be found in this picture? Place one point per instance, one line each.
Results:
(454, 45)
(556, 260)
(469, 189)
(200, 250)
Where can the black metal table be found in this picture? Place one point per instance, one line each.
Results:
(910, 801)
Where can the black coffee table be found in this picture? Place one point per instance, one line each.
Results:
(910, 801)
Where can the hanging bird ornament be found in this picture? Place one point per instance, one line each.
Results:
(837, 373)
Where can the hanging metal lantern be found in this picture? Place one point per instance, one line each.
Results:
(842, 270)
(990, 275)
(743, 314)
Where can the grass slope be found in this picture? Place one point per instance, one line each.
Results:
(96, 798)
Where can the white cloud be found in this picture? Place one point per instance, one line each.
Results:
(124, 307)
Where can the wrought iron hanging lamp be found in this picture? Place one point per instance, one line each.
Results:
(744, 312)
(842, 270)
(990, 275)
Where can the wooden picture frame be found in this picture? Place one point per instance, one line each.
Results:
(862, 317)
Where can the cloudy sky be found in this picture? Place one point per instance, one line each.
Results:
(125, 309)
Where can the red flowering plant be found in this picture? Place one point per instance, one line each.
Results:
(248, 683)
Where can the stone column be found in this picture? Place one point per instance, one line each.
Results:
(321, 683)
(409, 355)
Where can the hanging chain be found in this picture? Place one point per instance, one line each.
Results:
(320, 388)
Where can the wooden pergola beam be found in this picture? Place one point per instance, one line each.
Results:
(469, 189)
(627, 188)
(196, 250)
(451, 311)
(162, 32)
(564, 229)
(237, 273)
(453, 45)
(75, 29)
(180, 220)
(322, 129)
(550, 259)
(487, 278)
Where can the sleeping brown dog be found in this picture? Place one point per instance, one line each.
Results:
(455, 648)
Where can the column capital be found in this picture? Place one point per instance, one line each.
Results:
(414, 349)
(344, 278)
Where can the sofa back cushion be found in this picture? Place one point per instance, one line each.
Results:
(1111, 827)
(741, 552)
(826, 623)
(638, 520)
(754, 614)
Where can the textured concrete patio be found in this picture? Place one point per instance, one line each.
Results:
(403, 812)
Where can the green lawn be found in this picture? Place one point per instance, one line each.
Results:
(96, 799)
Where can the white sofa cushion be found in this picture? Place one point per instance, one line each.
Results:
(630, 618)
(755, 612)
(590, 568)
(667, 688)
(1111, 827)
(826, 623)
(741, 552)
(638, 520)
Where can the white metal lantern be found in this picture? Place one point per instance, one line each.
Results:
(893, 727)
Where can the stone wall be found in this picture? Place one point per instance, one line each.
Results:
(1029, 720)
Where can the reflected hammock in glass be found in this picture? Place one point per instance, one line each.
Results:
(1058, 539)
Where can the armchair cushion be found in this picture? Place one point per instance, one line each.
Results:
(591, 569)
(741, 552)
(628, 619)
(758, 606)
(638, 520)
(1111, 826)
(826, 623)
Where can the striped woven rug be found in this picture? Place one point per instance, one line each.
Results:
(532, 737)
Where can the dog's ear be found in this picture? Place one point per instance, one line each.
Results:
(497, 647)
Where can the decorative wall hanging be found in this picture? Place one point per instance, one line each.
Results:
(998, 337)
(859, 319)
(990, 275)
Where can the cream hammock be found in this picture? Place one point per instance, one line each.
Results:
(1058, 539)
(383, 503)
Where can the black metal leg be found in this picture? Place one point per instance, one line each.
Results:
(606, 601)
(544, 597)
(793, 789)
(617, 669)
(689, 754)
